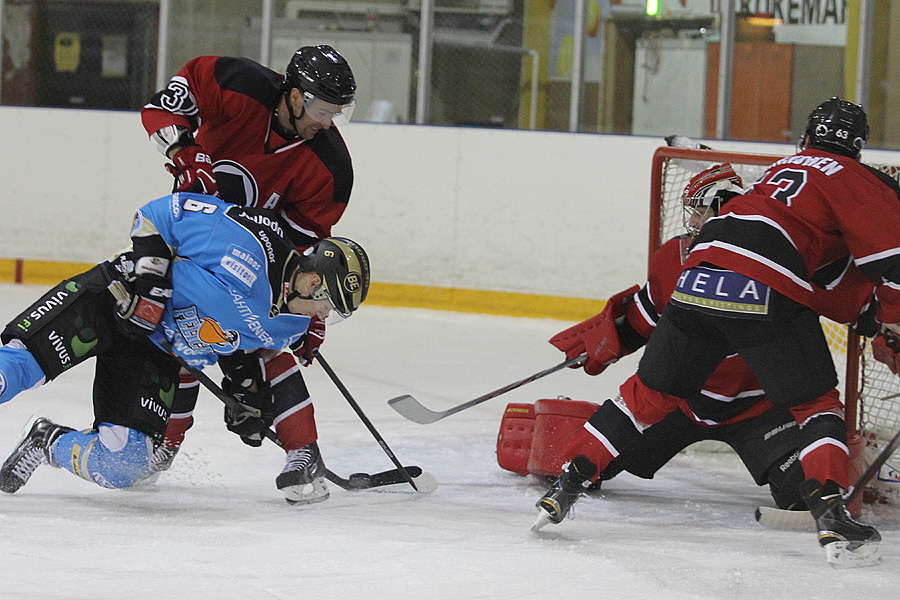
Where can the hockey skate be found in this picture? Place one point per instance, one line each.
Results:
(31, 451)
(160, 461)
(573, 481)
(847, 542)
(303, 479)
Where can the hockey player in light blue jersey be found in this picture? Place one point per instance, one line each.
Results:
(214, 282)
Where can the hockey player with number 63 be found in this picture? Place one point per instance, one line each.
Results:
(209, 280)
(732, 406)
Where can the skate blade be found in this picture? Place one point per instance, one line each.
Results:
(307, 493)
(543, 519)
(841, 556)
(145, 481)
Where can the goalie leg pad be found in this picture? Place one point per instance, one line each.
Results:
(515, 437)
(556, 422)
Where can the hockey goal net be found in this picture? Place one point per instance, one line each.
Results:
(871, 392)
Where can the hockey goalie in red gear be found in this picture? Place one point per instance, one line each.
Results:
(642, 429)
(255, 137)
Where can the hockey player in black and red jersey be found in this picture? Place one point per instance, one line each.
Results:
(732, 407)
(236, 129)
(749, 287)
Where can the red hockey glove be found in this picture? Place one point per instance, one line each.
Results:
(885, 347)
(597, 336)
(193, 172)
(306, 348)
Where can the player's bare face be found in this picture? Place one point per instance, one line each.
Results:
(308, 127)
(306, 285)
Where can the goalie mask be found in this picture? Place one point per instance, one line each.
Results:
(343, 267)
(705, 194)
(836, 126)
(326, 81)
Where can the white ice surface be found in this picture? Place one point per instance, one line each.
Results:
(216, 527)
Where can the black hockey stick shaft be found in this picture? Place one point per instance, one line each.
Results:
(870, 472)
(413, 410)
(357, 481)
(359, 412)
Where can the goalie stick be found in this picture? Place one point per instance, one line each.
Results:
(412, 409)
(356, 481)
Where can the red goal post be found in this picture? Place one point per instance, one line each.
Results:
(871, 392)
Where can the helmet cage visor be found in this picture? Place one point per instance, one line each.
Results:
(327, 113)
(706, 193)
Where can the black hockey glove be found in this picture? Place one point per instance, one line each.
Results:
(249, 422)
(245, 381)
(139, 314)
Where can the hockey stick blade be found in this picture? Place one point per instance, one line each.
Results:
(410, 408)
(357, 481)
(786, 520)
(425, 482)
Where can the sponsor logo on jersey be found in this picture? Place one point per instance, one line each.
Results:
(205, 333)
(3, 383)
(265, 222)
(252, 321)
(242, 264)
(722, 291)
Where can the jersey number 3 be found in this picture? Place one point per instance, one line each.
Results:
(787, 183)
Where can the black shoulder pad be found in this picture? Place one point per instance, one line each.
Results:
(887, 179)
(243, 76)
(329, 146)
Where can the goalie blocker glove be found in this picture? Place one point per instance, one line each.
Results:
(598, 336)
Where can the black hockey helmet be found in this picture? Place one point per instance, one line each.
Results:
(321, 72)
(837, 126)
(343, 266)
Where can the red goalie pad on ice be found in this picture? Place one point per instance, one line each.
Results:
(514, 439)
(554, 422)
(532, 436)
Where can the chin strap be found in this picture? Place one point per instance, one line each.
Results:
(292, 118)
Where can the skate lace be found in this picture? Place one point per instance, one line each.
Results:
(299, 459)
(161, 459)
(31, 459)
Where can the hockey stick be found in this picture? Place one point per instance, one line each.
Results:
(424, 483)
(356, 481)
(411, 409)
(800, 520)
